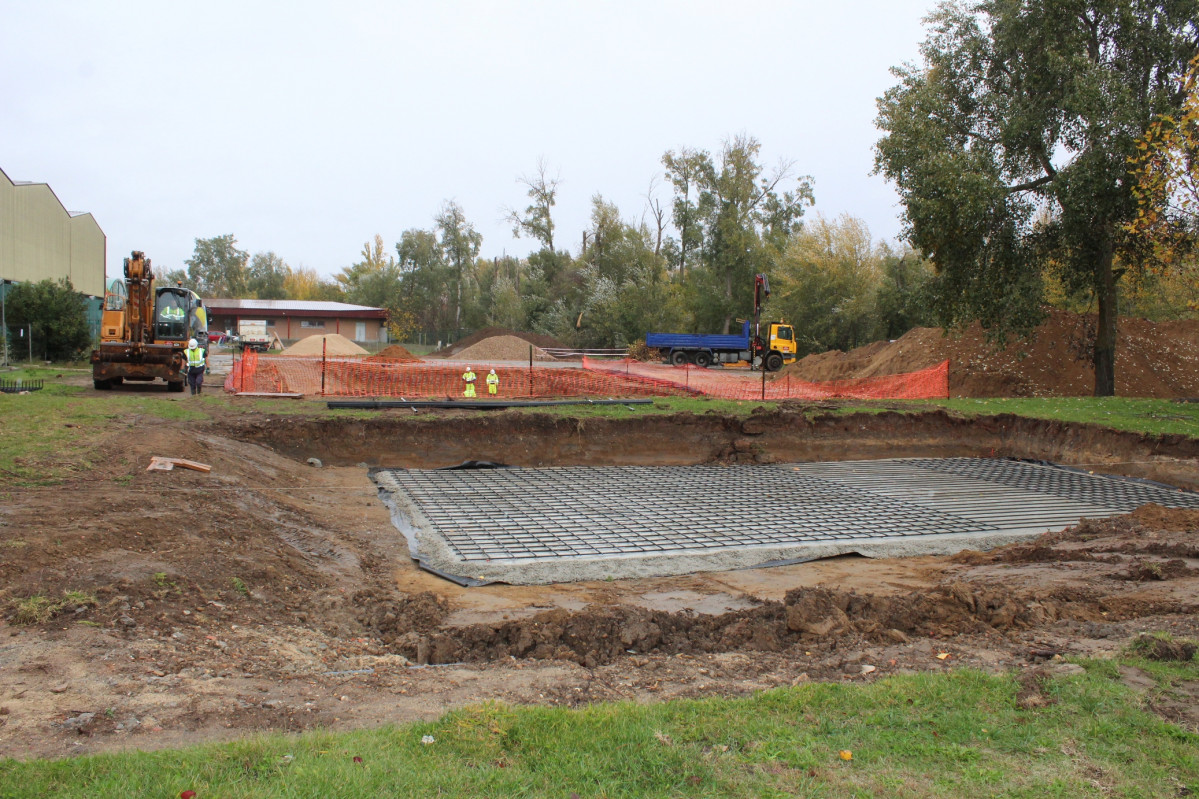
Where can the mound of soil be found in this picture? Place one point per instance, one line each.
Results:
(393, 353)
(502, 348)
(536, 339)
(1152, 360)
(330, 344)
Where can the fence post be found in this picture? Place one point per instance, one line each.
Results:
(530, 370)
(324, 349)
(763, 379)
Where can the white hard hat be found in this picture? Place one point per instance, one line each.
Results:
(470, 368)
(191, 344)
(493, 371)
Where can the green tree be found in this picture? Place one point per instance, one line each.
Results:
(376, 281)
(687, 171)
(903, 293)
(740, 216)
(174, 277)
(623, 282)
(303, 283)
(374, 259)
(537, 221)
(460, 245)
(425, 284)
(267, 277)
(218, 268)
(53, 314)
(1166, 166)
(827, 284)
(1027, 108)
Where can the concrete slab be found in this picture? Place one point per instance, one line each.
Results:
(561, 524)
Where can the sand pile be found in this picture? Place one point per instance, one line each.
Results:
(393, 352)
(332, 344)
(502, 348)
(1152, 360)
(536, 339)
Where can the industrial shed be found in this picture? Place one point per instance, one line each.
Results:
(40, 239)
(292, 320)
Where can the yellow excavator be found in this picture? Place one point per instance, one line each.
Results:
(145, 328)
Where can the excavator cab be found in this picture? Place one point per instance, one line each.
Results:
(179, 315)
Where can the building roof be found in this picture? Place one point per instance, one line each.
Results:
(293, 308)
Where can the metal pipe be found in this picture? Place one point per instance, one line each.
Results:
(482, 405)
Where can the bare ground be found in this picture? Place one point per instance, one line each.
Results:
(272, 595)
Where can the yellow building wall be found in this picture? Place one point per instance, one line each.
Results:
(39, 240)
(88, 254)
(8, 201)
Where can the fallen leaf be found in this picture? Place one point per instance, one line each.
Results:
(846, 754)
(189, 794)
(357, 759)
(942, 656)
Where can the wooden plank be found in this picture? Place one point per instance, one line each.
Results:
(282, 394)
(159, 463)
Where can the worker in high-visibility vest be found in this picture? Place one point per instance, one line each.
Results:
(469, 378)
(493, 383)
(195, 366)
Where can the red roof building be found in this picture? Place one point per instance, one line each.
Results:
(292, 320)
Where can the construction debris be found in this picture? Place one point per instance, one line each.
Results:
(161, 464)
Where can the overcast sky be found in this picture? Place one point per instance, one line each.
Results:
(306, 128)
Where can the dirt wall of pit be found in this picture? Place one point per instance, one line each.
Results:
(768, 437)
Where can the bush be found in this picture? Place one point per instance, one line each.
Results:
(54, 314)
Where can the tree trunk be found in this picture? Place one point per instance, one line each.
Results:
(1105, 333)
(728, 296)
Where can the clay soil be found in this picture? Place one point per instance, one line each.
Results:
(270, 594)
(393, 352)
(1152, 359)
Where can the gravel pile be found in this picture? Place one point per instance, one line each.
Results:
(502, 348)
(331, 344)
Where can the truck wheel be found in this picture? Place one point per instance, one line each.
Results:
(774, 362)
(102, 385)
(703, 359)
(678, 358)
(175, 387)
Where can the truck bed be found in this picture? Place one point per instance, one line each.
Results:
(671, 341)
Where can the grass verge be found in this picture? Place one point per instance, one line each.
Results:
(952, 734)
(51, 434)
(1135, 414)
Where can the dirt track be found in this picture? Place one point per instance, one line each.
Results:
(270, 594)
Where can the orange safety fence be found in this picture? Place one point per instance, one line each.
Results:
(357, 377)
(742, 384)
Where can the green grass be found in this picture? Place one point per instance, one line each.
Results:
(1152, 416)
(50, 435)
(930, 735)
(39, 609)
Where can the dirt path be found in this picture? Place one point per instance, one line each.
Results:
(273, 595)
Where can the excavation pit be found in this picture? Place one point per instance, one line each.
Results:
(562, 524)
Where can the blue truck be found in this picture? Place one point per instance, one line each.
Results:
(777, 347)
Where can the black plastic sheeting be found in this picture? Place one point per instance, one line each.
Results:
(476, 405)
